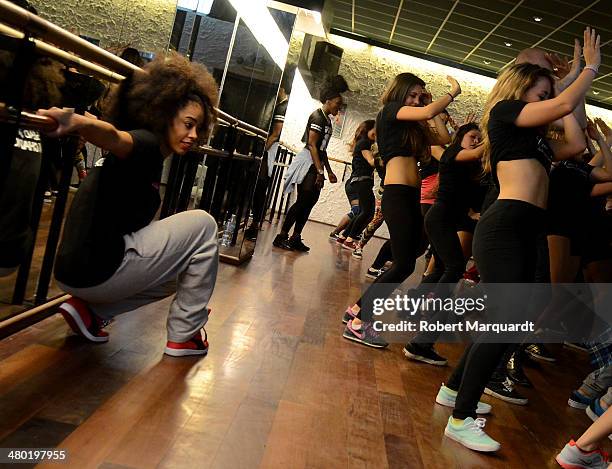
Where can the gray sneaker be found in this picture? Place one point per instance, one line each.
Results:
(572, 457)
(365, 335)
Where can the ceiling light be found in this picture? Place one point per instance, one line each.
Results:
(508, 44)
(537, 19)
(486, 62)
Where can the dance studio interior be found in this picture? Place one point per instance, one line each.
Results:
(306, 234)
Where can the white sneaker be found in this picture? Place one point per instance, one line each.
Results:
(470, 434)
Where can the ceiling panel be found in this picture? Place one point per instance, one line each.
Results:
(483, 35)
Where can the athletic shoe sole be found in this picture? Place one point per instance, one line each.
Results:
(592, 415)
(576, 404)
(74, 320)
(359, 341)
(511, 400)
(184, 352)
(472, 446)
(420, 358)
(357, 256)
(348, 248)
(482, 410)
(372, 276)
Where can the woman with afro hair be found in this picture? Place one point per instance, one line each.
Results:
(113, 257)
(306, 169)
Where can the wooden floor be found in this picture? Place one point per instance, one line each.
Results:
(280, 388)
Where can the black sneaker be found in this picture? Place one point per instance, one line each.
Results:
(514, 370)
(251, 233)
(539, 352)
(505, 391)
(424, 354)
(281, 241)
(297, 245)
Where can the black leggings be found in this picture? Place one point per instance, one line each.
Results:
(402, 213)
(308, 194)
(505, 249)
(441, 227)
(366, 204)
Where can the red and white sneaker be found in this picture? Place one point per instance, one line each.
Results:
(349, 245)
(194, 346)
(83, 321)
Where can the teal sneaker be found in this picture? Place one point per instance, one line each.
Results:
(446, 397)
(470, 434)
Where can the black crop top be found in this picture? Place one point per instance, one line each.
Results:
(429, 168)
(509, 142)
(454, 186)
(390, 133)
(361, 167)
(320, 123)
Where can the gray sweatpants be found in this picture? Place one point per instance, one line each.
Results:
(178, 254)
(597, 383)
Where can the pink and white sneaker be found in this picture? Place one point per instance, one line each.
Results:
(83, 321)
(348, 315)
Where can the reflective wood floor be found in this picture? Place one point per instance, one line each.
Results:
(280, 388)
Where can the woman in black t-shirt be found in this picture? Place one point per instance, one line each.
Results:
(442, 223)
(341, 231)
(113, 257)
(362, 181)
(306, 169)
(403, 137)
(516, 114)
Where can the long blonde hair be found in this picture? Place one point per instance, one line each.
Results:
(511, 84)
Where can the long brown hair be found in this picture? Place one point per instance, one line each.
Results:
(417, 135)
(512, 84)
(362, 131)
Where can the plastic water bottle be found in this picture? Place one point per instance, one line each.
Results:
(228, 231)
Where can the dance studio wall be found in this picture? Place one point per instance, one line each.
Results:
(368, 70)
(144, 24)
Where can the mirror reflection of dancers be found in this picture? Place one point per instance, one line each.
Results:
(267, 164)
(306, 169)
(362, 182)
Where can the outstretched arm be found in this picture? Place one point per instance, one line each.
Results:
(99, 133)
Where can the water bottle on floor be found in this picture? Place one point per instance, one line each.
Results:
(228, 231)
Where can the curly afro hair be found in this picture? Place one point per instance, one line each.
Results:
(151, 100)
(332, 88)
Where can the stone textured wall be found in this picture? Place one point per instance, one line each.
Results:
(368, 70)
(144, 24)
